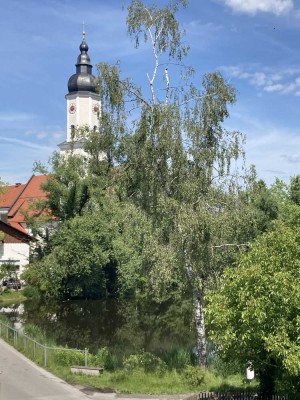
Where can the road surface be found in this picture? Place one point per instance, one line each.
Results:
(21, 379)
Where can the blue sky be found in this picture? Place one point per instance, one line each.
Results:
(254, 43)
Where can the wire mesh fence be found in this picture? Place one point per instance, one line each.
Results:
(241, 395)
(42, 354)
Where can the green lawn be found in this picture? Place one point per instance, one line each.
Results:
(171, 382)
(10, 295)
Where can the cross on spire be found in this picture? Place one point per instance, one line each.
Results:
(83, 29)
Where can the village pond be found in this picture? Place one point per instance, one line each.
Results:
(125, 327)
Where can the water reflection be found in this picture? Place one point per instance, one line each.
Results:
(124, 326)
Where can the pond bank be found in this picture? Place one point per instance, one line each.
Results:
(12, 296)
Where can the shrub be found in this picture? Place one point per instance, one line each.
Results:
(31, 292)
(179, 358)
(106, 359)
(145, 361)
(65, 357)
(194, 376)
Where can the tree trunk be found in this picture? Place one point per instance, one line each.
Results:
(267, 379)
(198, 303)
(200, 328)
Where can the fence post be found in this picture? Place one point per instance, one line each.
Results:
(15, 337)
(34, 349)
(45, 356)
(7, 332)
(86, 352)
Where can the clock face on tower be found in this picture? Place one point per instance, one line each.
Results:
(95, 108)
(72, 108)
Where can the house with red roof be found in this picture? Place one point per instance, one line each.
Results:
(16, 201)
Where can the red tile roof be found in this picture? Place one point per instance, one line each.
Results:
(10, 194)
(19, 199)
(9, 228)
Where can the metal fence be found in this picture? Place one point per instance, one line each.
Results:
(40, 353)
(240, 395)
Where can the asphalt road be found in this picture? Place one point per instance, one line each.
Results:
(21, 379)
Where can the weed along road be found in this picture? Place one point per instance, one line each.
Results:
(20, 379)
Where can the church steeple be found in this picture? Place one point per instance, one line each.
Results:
(83, 80)
(83, 102)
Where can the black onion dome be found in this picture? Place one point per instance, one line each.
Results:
(83, 80)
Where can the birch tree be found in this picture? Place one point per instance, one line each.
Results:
(177, 159)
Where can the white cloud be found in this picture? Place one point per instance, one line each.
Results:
(274, 88)
(25, 143)
(16, 116)
(52, 133)
(277, 7)
(291, 159)
(284, 81)
(271, 147)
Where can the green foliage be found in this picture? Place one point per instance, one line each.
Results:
(179, 358)
(68, 357)
(265, 204)
(31, 292)
(253, 314)
(11, 296)
(294, 190)
(145, 361)
(66, 187)
(8, 270)
(142, 20)
(224, 367)
(35, 332)
(75, 267)
(194, 375)
(1, 236)
(105, 358)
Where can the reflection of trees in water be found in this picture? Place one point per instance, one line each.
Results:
(12, 311)
(155, 327)
(78, 324)
(125, 326)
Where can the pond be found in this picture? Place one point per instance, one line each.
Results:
(126, 327)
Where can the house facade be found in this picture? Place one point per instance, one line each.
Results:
(14, 247)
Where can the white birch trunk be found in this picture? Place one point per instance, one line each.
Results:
(200, 328)
(198, 300)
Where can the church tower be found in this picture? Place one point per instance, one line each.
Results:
(83, 103)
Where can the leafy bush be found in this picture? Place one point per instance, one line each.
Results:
(65, 357)
(105, 358)
(179, 358)
(31, 292)
(194, 376)
(145, 361)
